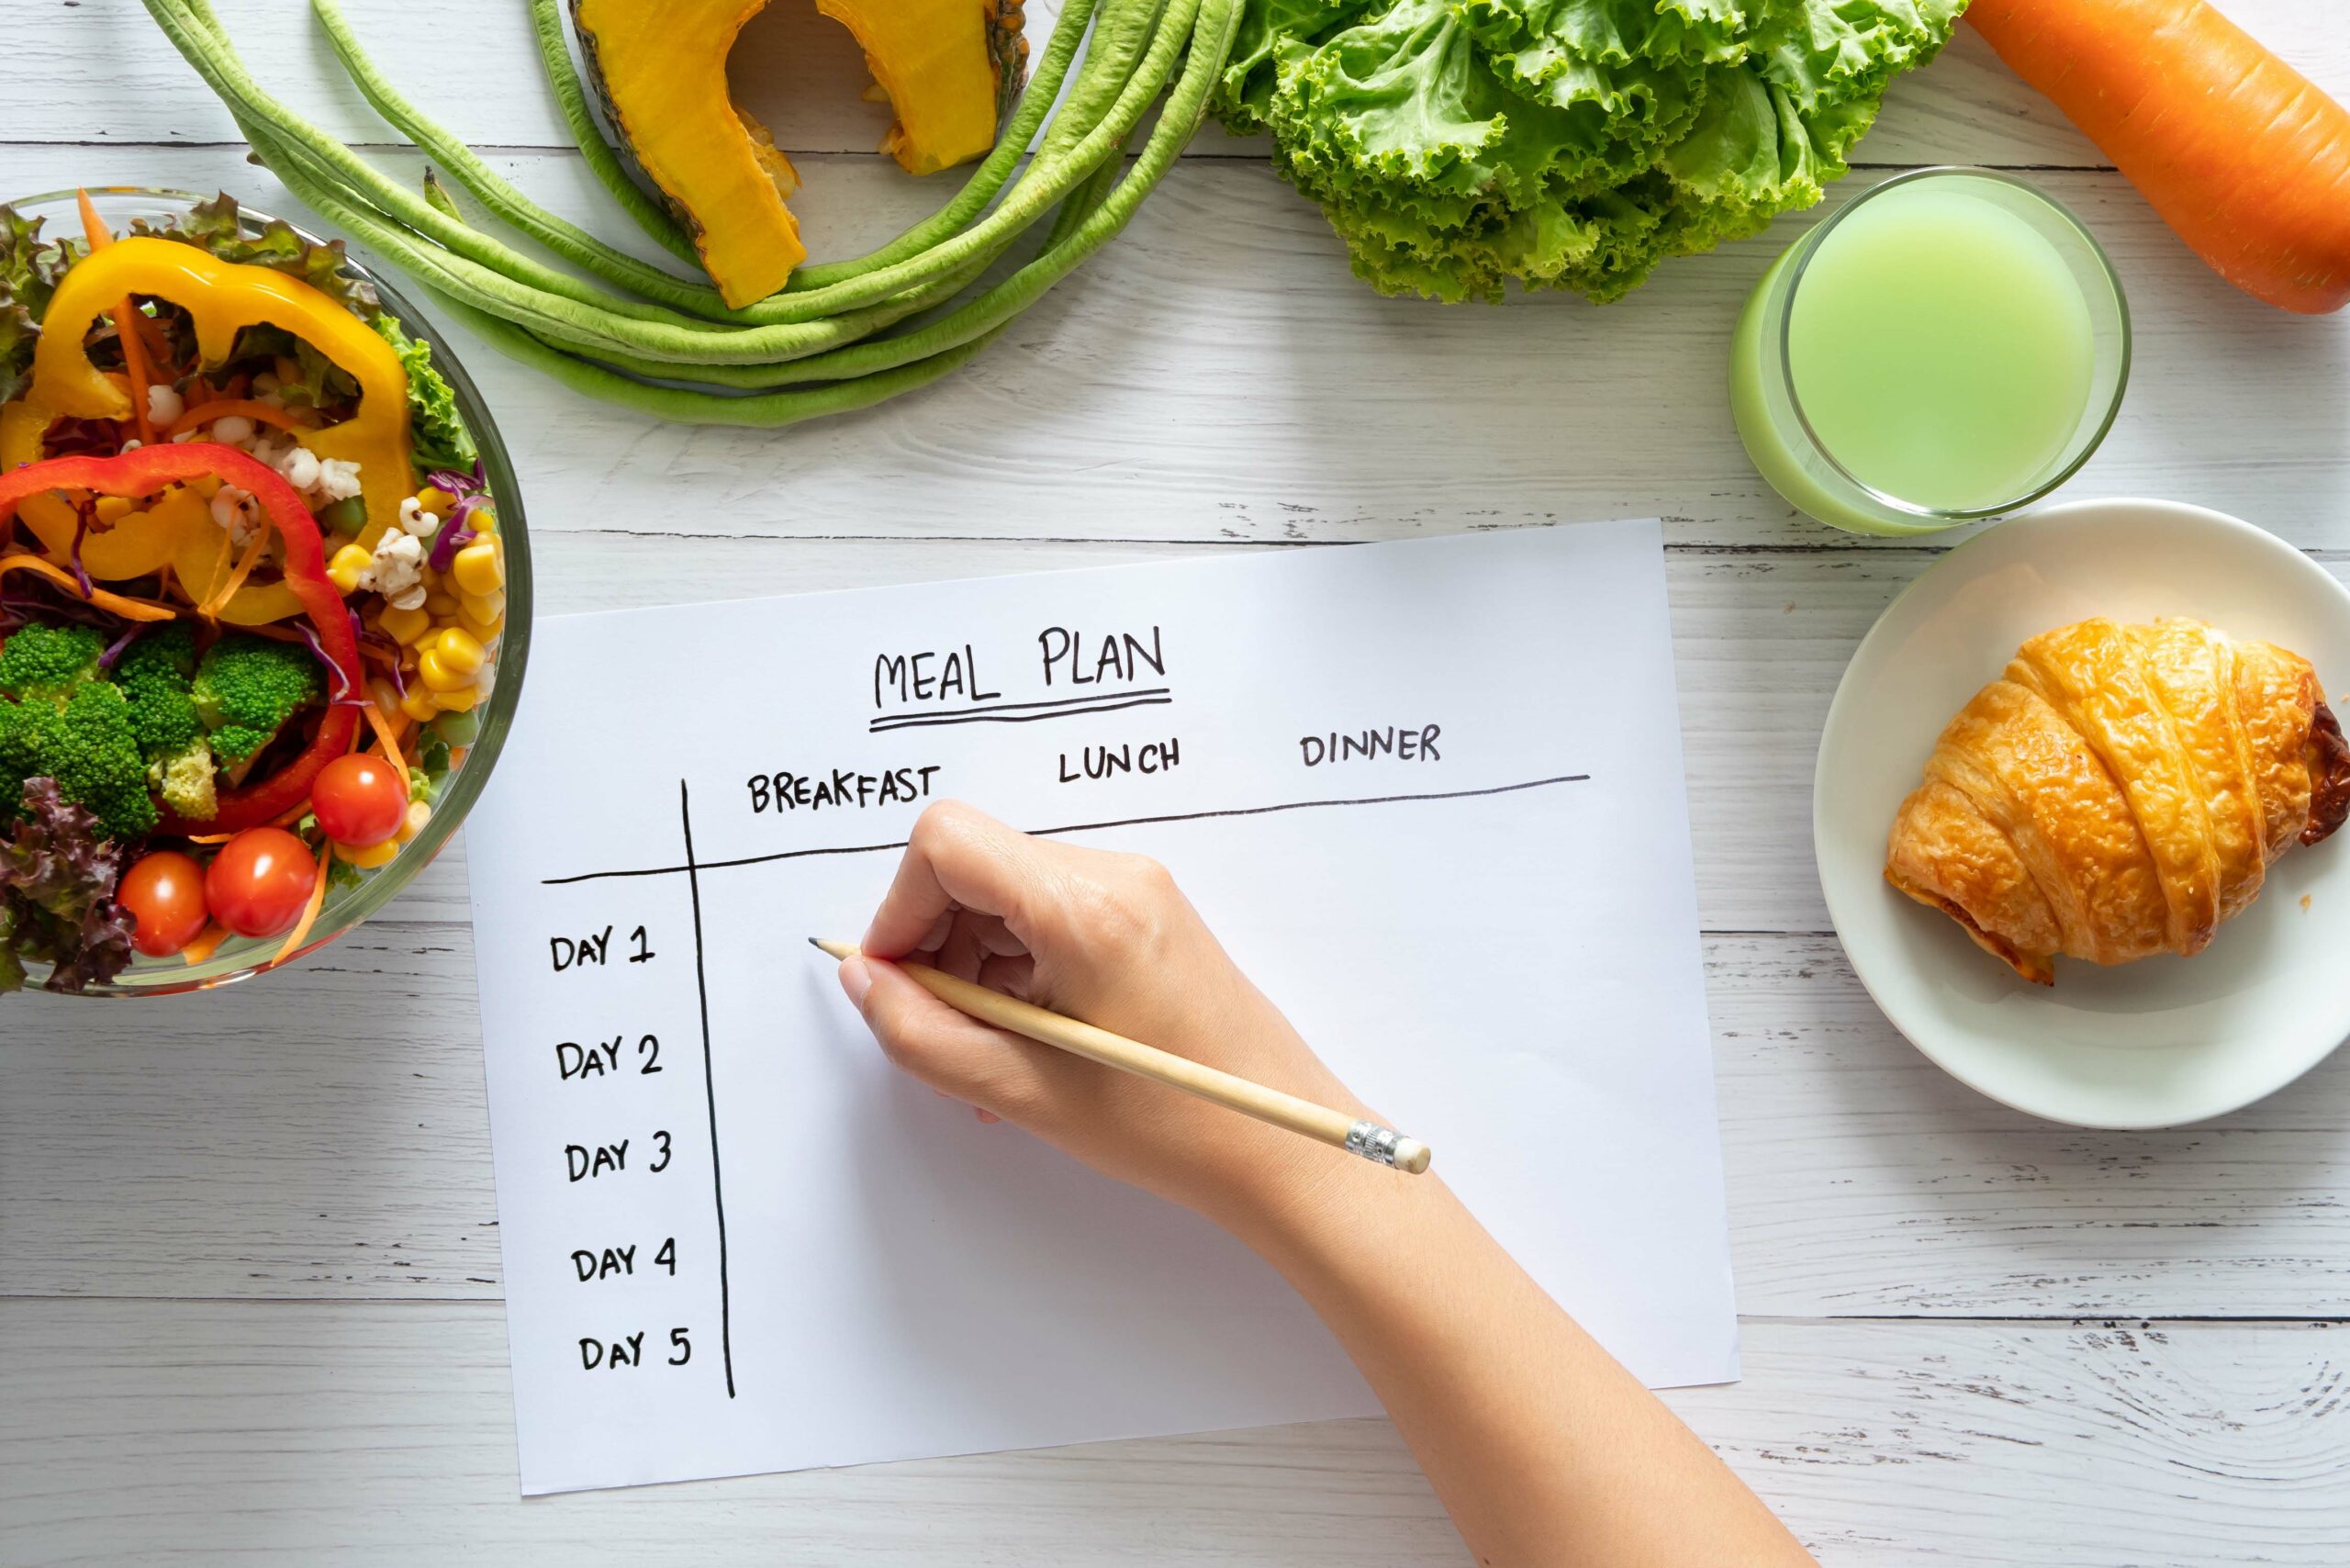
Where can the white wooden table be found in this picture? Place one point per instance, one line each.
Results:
(249, 1275)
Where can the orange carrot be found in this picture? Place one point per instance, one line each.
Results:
(385, 737)
(208, 941)
(310, 910)
(120, 604)
(134, 350)
(219, 597)
(197, 414)
(2238, 151)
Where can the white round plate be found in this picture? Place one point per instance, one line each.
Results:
(2153, 1044)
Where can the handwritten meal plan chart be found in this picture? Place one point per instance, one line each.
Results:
(1429, 794)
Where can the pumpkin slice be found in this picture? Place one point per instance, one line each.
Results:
(951, 69)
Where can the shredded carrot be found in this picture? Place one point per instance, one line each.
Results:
(310, 910)
(134, 351)
(158, 343)
(208, 941)
(128, 607)
(218, 597)
(197, 414)
(94, 227)
(219, 565)
(134, 360)
(385, 738)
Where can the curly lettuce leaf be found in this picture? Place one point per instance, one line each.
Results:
(1458, 145)
(29, 268)
(436, 430)
(1267, 30)
(57, 880)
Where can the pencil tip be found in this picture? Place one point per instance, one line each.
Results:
(817, 942)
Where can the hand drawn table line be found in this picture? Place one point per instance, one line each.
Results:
(693, 867)
(690, 866)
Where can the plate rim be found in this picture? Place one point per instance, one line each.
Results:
(1840, 709)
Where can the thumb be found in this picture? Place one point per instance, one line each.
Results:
(950, 1050)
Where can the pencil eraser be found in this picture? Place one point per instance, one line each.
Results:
(1412, 1156)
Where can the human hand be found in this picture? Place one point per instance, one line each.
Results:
(1107, 938)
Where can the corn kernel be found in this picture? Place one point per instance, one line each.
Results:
(370, 857)
(476, 570)
(459, 652)
(344, 569)
(433, 498)
(406, 626)
(442, 603)
(438, 675)
(419, 813)
(419, 704)
(484, 606)
(205, 485)
(112, 509)
(483, 632)
(460, 700)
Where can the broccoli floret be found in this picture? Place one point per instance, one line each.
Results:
(85, 742)
(156, 673)
(184, 779)
(24, 739)
(247, 688)
(39, 660)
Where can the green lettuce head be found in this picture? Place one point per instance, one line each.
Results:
(1456, 144)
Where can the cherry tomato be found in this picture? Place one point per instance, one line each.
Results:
(361, 800)
(259, 880)
(164, 891)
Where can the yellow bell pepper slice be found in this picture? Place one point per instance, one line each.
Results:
(205, 561)
(145, 540)
(222, 298)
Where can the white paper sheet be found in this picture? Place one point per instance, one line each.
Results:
(1489, 929)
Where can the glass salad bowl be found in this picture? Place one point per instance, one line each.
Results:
(347, 903)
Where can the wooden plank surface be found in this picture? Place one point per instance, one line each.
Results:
(248, 1258)
(236, 1150)
(801, 76)
(304, 1434)
(1218, 374)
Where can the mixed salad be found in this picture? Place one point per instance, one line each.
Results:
(251, 589)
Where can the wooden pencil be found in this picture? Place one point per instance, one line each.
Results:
(1379, 1145)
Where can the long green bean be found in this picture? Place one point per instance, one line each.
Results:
(668, 345)
(566, 239)
(556, 319)
(653, 332)
(882, 353)
(1080, 231)
(190, 25)
(764, 410)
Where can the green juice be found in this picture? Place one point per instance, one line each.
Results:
(1940, 343)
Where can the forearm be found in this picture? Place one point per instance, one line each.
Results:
(1544, 1449)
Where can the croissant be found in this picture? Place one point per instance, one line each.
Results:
(2119, 791)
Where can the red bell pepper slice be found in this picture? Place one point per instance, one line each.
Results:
(143, 472)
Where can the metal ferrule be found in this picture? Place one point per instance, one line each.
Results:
(1374, 1142)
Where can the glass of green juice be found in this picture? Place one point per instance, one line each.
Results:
(1948, 346)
